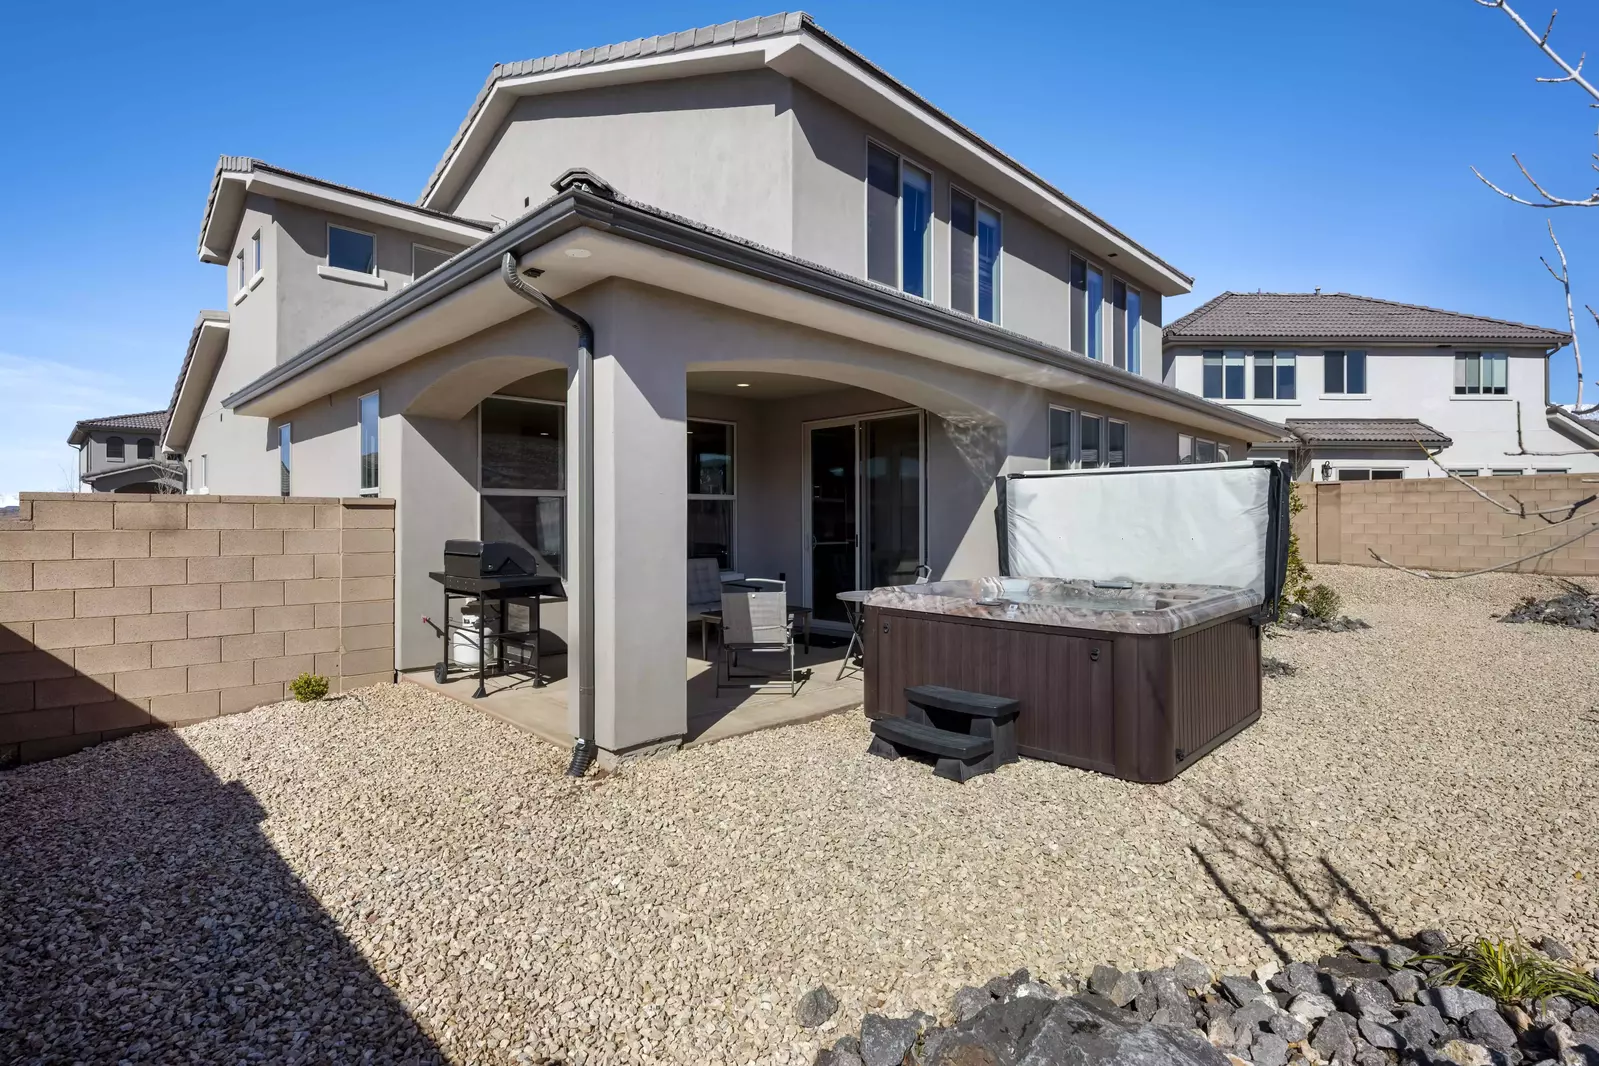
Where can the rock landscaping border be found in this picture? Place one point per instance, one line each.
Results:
(1577, 609)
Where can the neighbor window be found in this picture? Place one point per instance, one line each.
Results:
(1551, 470)
(522, 474)
(1133, 312)
(200, 469)
(1358, 474)
(1096, 314)
(114, 450)
(1223, 375)
(350, 249)
(899, 222)
(1205, 451)
(1079, 305)
(1465, 472)
(1480, 374)
(1119, 322)
(1185, 448)
(1060, 438)
(255, 253)
(425, 259)
(243, 272)
(1223, 454)
(712, 499)
(1507, 472)
(369, 444)
(1275, 376)
(973, 257)
(1387, 475)
(1115, 442)
(285, 465)
(1092, 429)
(1343, 373)
(145, 449)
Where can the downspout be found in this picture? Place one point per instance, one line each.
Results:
(583, 750)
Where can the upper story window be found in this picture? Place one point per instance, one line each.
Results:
(285, 458)
(1481, 374)
(1096, 314)
(1343, 373)
(1079, 305)
(1275, 376)
(425, 259)
(1060, 438)
(114, 450)
(369, 444)
(1129, 310)
(1223, 375)
(974, 245)
(255, 253)
(353, 250)
(145, 448)
(899, 222)
(241, 271)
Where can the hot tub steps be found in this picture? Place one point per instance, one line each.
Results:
(968, 733)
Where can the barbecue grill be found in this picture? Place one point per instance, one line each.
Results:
(500, 573)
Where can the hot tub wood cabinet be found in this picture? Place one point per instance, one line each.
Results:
(1139, 683)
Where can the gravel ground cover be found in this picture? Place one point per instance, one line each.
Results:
(400, 876)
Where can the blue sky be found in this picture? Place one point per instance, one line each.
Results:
(1254, 145)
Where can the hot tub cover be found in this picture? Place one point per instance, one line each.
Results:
(1216, 524)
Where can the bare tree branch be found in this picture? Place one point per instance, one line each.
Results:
(1520, 510)
(1573, 73)
(1487, 569)
(1521, 446)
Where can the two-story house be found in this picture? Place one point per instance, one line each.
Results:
(1363, 386)
(740, 295)
(123, 453)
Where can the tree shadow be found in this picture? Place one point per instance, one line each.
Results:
(1275, 891)
(149, 918)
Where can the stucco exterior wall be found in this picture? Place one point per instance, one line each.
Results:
(1415, 382)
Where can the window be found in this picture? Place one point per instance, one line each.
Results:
(1274, 376)
(350, 249)
(285, 466)
(145, 449)
(712, 498)
(1079, 305)
(1480, 374)
(1127, 311)
(255, 253)
(1092, 430)
(114, 450)
(200, 469)
(1060, 438)
(242, 272)
(1185, 449)
(1387, 475)
(1096, 314)
(1135, 331)
(1223, 453)
(425, 259)
(1466, 472)
(1223, 375)
(973, 257)
(1359, 474)
(1115, 442)
(1551, 470)
(522, 474)
(899, 222)
(1205, 451)
(369, 444)
(1343, 373)
(1212, 375)
(1504, 472)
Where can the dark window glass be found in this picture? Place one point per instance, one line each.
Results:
(522, 445)
(1091, 428)
(1234, 376)
(882, 215)
(962, 252)
(114, 448)
(1212, 372)
(349, 250)
(1355, 373)
(1079, 305)
(916, 229)
(1118, 322)
(988, 272)
(710, 531)
(1265, 377)
(1060, 439)
(1354, 475)
(1332, 372)
(1205, 451)
(1096, 315)
(1287, 376)
(424, 259)
(369, 443)
(1116, 443)
(145, 449)
(1387, 475)
(285, 460)
(710, 459)
(1135, 331)
(536, 522)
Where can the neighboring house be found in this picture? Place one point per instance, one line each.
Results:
(1359, 383)
(123, 453)
(825, 318)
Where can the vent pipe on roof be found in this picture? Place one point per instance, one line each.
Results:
(583, 750)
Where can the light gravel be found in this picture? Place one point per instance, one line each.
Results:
(395, 874)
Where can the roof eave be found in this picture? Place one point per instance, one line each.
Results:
(1551, 343)
(208, 342)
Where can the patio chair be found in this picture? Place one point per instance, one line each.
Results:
(755, 621)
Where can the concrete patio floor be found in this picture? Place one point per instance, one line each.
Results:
(711, 717)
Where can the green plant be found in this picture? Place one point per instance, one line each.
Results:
(1296, 585)
(1510, 972)
(1323, 602)
(309, 687)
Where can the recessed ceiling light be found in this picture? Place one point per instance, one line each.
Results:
(743, 385)
(578, 253)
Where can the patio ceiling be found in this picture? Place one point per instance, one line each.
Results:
(749, 385)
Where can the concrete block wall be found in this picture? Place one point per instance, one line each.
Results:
(1440, 524)
(126, 612)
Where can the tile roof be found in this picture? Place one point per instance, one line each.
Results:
(145, 421)
(1299, 316)
(1366, 431)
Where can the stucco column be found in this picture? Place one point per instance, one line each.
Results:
(641, 526)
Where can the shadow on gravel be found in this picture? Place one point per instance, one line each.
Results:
(148, 919)
(1257, 873)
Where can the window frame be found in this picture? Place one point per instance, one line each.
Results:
(1343, 392)
(377, 444)
(1551, 470)
(900, 162)
(1094, 327)
(1505, 471)
(1127, 442)
(1070, 462)
(242, 285)
(255, 248)
(1484, 359)
(979, 205)
(121, 455)
(730, 498)
(327, 255)
(561, 443)
(1221, 451)
(286, 459)
(1242, 363)
(139, 449)
(1101, 449)
(1134, 298)
(1209, 357)
(448, 255)
(1276, 361)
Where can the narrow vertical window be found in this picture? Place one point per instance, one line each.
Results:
(244, 274)
(1481, 374)
(1060, 438)
(1096, 314)
(962, 252)
(1118, 322)
(115, 450)
(369, 444)
(1287, 376)
(1355, 373)
(916, 231)
(988, 267)
(1185, 448)
(285, 464)
(1204, 451)
(1135, 330)
(1265, 377)
(1233, 376)
(1332, 373)
(882, 215)
(1091, 427)
(1212, 376)
(712, 491)
(1115, 442)
(255, 253)
(1079, 306)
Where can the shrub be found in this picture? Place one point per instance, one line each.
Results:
(308, 688)
(1296, 585)
(1324, 603)
(1510, 973)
